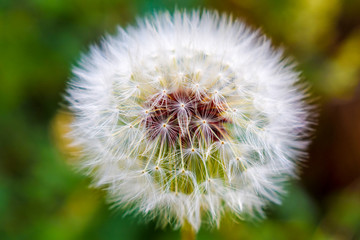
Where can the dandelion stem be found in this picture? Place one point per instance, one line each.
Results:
(187, 232)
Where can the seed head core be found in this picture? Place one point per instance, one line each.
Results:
(183, 123)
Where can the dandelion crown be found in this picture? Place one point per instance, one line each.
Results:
(187, 116)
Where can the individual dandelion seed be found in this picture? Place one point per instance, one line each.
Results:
(187, 116)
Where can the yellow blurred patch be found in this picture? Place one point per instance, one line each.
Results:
(60, 128)
(343, 70)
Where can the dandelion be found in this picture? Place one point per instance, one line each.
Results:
(188, 116)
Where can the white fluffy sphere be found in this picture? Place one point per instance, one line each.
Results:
(186, 116)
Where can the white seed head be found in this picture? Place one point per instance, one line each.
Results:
(187, 116)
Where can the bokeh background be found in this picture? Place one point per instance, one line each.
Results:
(41, 197)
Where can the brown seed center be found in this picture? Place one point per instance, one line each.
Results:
(183, 115)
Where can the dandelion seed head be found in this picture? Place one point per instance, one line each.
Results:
(189, 115)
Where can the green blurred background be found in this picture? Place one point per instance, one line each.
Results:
(41, 197)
